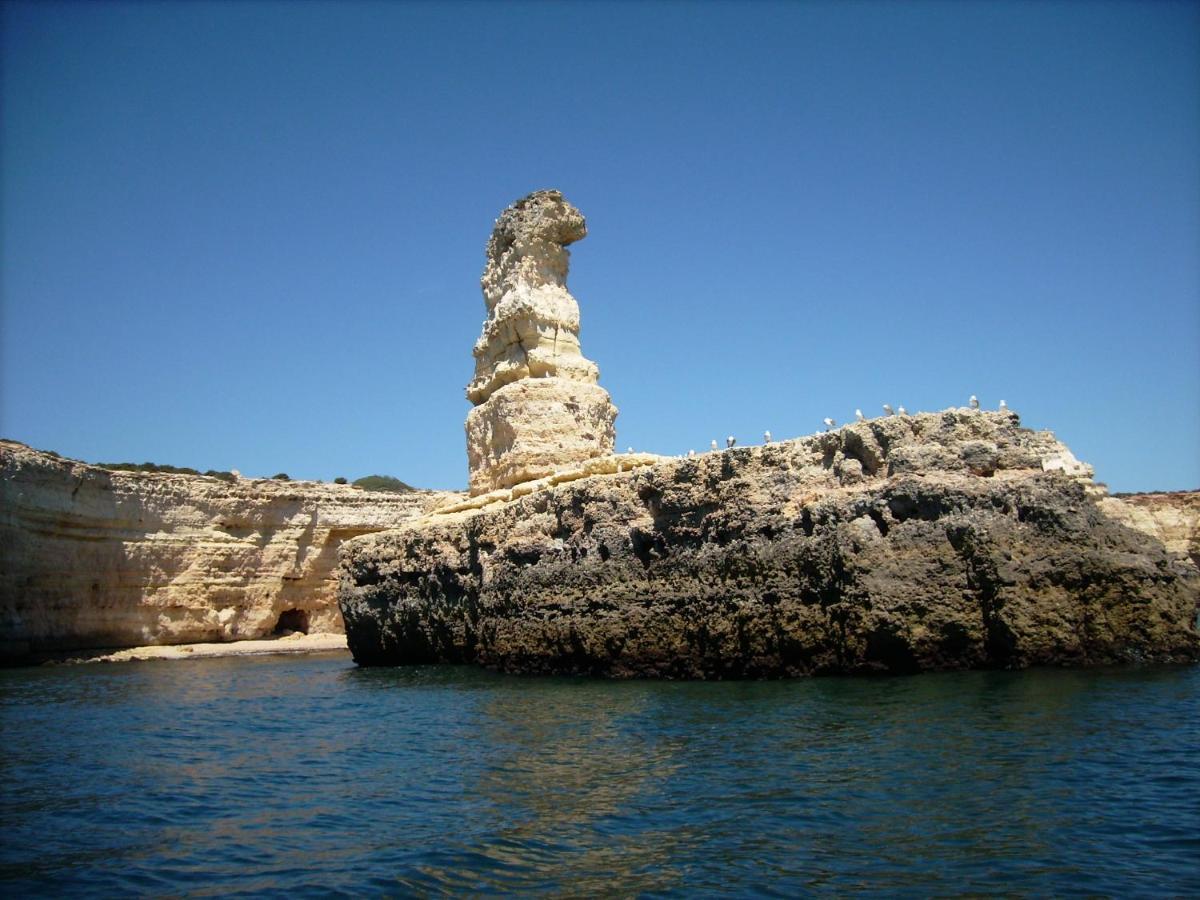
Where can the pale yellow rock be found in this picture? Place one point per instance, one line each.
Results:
(96, 558)
(1064, 461)
(292, 643)
(532, 334)
(599, 466)
(538, 407)
(1171, 517)
(530, 428)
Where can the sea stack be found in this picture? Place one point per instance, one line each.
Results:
(538, 406)
(937, 540)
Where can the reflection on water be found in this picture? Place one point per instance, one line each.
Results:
(308, 774)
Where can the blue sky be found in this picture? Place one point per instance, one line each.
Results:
(249, 235)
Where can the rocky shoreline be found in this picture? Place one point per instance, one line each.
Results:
(175, 576)
(902, 544)
(905, 543)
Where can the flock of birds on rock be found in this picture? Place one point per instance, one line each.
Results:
(830, 424)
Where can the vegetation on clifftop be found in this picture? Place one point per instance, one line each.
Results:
(163, 469)
(367, 483)
(382, 483)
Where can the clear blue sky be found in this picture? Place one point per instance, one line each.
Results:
(249, 235)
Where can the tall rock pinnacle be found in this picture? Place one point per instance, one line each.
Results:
(537, 404)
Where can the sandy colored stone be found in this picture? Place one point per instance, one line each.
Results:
(901, 544)
(96, 558)
(537, 402)
(1172, 517)
(292, 643)
(531, 428)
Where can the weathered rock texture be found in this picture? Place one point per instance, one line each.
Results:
(1171, 516)
(96, 558)
(934, 541)
(538, 407)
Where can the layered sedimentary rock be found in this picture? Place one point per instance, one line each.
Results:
(538, 406)
(97, 558)
(908, 543)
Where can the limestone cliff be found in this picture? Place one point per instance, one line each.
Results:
(907, 543)
(97, 558)
(538, 407)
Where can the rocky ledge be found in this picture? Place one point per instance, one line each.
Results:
(902, 544)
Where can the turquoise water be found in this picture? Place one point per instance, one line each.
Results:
(307, 775)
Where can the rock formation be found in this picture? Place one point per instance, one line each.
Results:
(538, 407)
(1173, 517)
(931, 541)
(907, 543)
(94, 558)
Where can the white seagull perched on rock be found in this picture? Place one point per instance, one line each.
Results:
(973, 402)
(628, 449)
(691, 453)
(902, 411)
(858, 415)
(1003, 406)
(730, 441)
(887, 409)
(766, 437)
(829, 423)
(714, 445)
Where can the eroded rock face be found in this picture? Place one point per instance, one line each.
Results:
(538, 406)
(1171, 516)
(95, 558)
(936, 541)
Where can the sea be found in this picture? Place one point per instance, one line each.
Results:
(308, 776)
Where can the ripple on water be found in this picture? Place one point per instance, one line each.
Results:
(284, 775)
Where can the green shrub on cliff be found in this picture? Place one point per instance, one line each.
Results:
(282, 476)
(149, 467)
(382, 483)
(339, 480)
(165, 470)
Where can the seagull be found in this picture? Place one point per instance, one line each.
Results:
(628, 449)
(902, 411)
(714, 445)
(691, 453)
(829, 423)
(730, 441)
(1003, 406)
(858, 415)
(766, 437)
(974, 402)
(887, 409)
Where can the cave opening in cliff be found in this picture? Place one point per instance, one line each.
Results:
(292, 620)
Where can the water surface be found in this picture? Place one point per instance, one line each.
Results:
(282, 775)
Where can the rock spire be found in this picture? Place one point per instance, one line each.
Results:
(538, 406)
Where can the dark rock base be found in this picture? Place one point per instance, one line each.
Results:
(723, 567)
